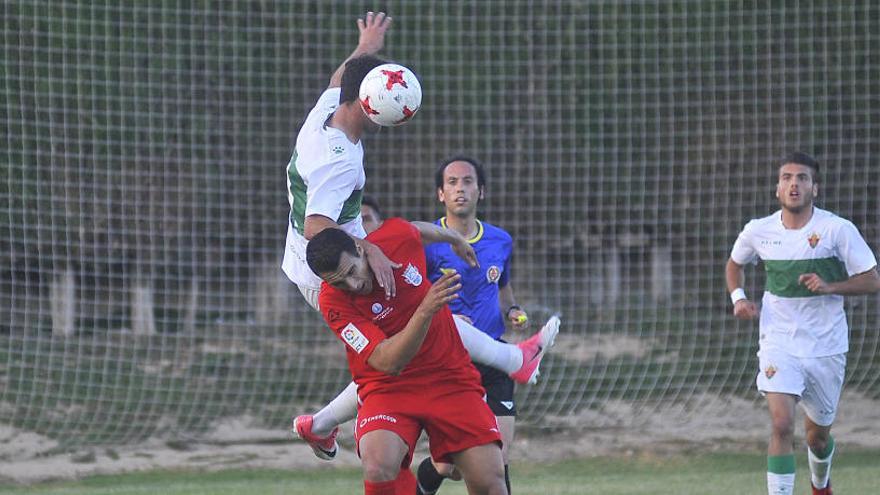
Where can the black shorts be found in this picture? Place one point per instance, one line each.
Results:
(499, 390)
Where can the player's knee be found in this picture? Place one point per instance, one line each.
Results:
(490, 481)
(783, 427)
(817, 440)
(497, 485)
(379, 470)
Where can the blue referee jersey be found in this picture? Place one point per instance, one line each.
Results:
(478, 298)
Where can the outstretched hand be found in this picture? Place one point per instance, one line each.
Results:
(444, 290)
(372, 29)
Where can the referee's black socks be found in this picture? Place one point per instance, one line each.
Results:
(429, 479)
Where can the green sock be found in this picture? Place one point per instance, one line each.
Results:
(780, 464)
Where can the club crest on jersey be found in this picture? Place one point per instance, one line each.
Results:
(813, 240)
(447, 271)
(493, 273)
(376, 308)
(412, 276)
(770, 371)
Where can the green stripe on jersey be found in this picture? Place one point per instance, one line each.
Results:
(351, 208)
(782, 275)
(297, 195)
(297, 191)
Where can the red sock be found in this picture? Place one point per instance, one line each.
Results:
(405, 482)
(381, 487)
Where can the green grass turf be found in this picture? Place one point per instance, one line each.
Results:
(715, 474)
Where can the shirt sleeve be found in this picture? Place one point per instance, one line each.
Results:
(403, 231)
(743, 251)
(356, 331)
(329, 186)
(326, 104)
(853, 250)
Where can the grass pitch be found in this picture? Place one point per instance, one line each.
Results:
(715, 474)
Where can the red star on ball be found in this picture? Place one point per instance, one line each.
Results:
(394, 77)
(407, 114)
(365, 104)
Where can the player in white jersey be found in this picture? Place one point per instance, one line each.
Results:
(812, 258)
(325, 181)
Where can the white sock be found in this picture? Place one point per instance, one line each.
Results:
(486, 350)
(342, 408)
(820, 469)
(780, 484)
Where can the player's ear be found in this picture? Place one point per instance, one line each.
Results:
(482, 194)
(360, 250)
(440, 194)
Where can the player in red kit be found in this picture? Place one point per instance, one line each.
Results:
(407, 359)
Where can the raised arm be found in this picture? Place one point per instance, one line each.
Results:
(372, 39)
(432, 233)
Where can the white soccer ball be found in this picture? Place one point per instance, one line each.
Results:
(390, 94)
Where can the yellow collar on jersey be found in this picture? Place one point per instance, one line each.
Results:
(475, 238)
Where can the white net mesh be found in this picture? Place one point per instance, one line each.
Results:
(143, 204)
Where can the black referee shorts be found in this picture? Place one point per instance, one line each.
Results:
(499, 390)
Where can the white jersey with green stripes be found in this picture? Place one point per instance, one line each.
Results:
(793, 318)
(325, 176)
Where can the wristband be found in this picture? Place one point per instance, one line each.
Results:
(737, 295)
(507, 313)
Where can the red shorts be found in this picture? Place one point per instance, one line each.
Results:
(455, 420)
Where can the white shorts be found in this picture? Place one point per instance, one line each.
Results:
(816, 381)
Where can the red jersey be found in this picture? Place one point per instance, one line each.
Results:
(363, 321)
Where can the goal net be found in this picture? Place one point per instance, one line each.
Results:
(143, 197)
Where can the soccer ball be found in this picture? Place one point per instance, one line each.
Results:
(390, 94)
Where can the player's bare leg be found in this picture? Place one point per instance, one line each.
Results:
(780, 456)
(381, 452)
(482, 468)
(432, 473)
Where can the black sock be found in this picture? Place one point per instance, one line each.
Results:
(428, 477)
(507, 478)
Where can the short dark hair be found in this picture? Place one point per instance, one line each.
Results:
(372, 203)
(801, 158)
(325, 249)
(478, 167)
(354, 73)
